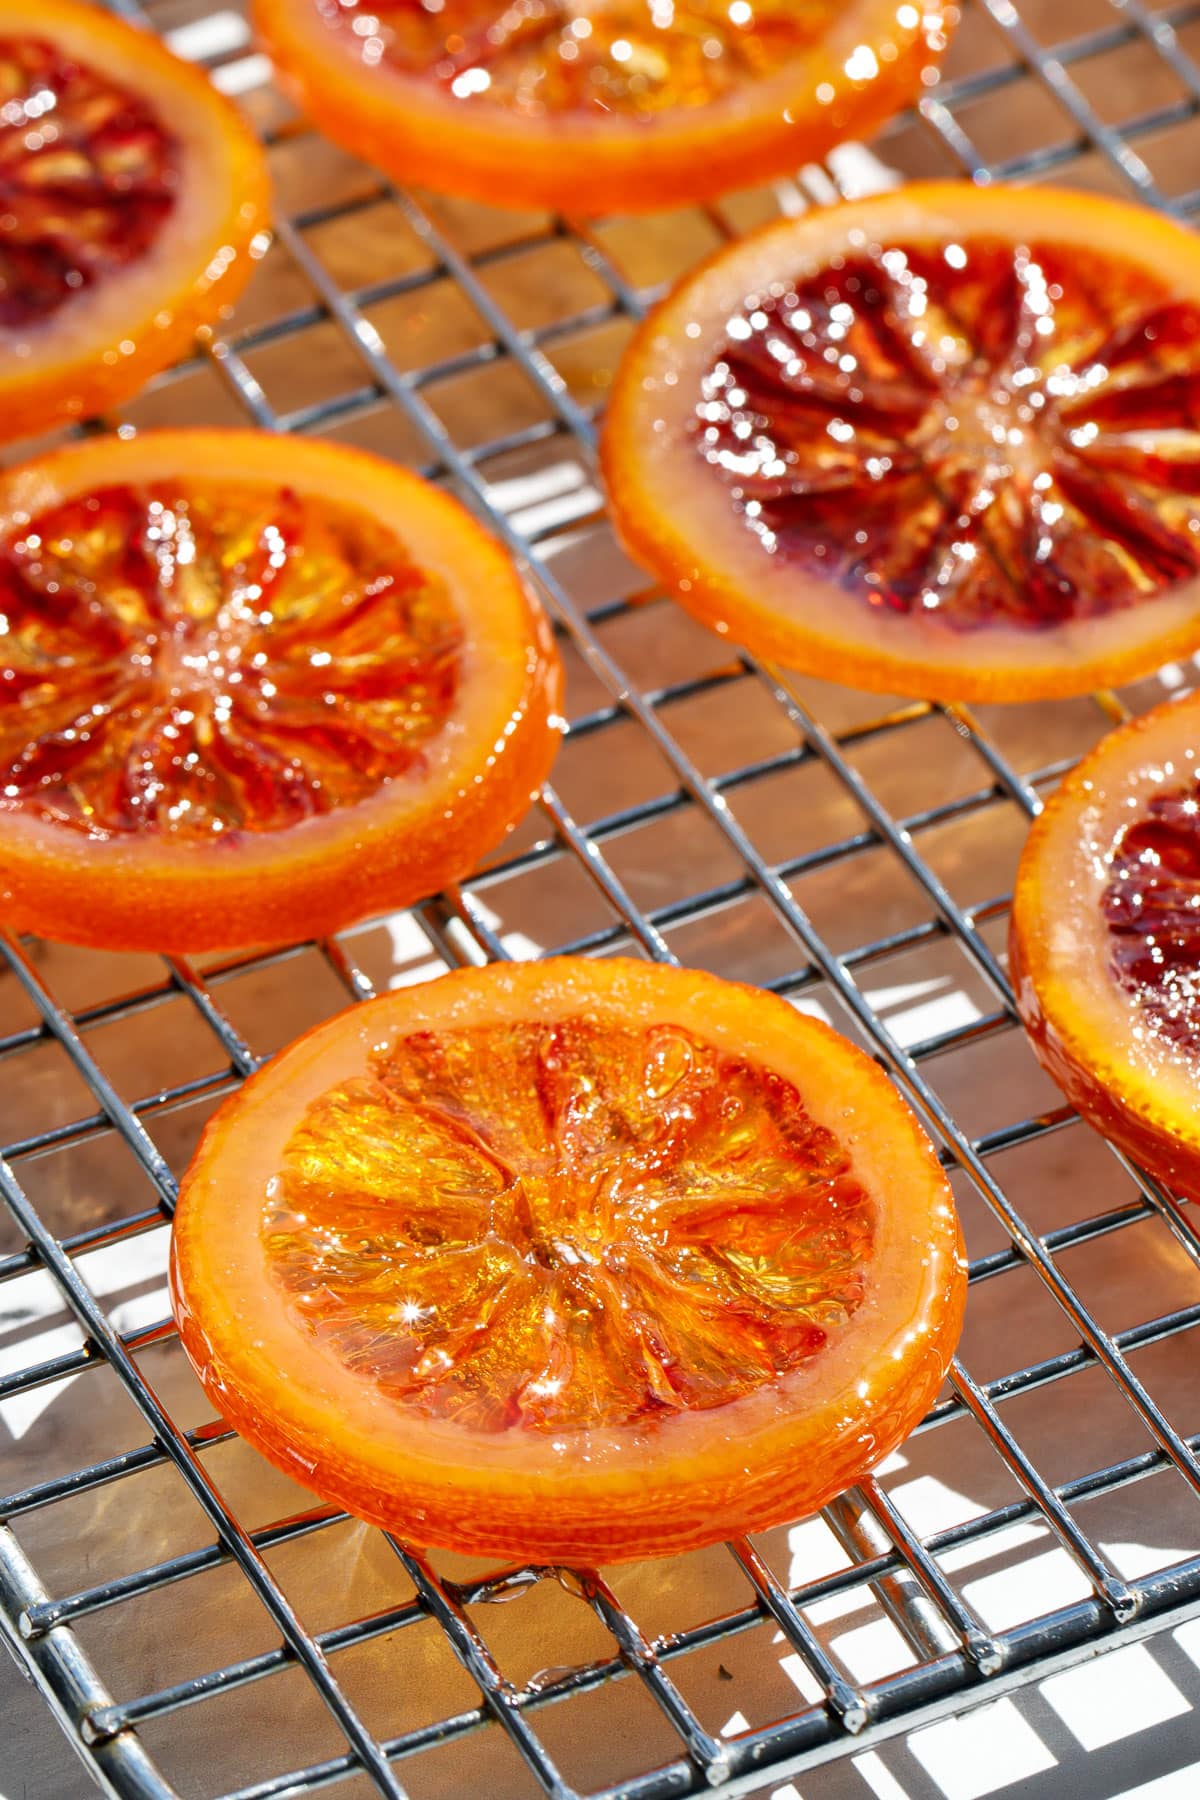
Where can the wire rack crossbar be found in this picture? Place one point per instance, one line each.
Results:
(955, 1657)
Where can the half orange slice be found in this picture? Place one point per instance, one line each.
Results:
(1105, 941)
(134, 206)
(941, 442)
(252, 689)
(569, 1261)
(613, 105)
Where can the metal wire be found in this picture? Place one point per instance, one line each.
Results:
(957, 1660)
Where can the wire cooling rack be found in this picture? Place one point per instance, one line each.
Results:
(196, 1624)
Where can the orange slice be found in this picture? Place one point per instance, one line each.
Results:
(616, 105)
(133, 206)
(941, 442)
(251, 689)
(1105, 941)
(569, 1260)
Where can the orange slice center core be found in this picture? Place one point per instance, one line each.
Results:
(977, 433)
(196, 660)
(88, 173)
(1151, 906)
(562, 1226)
(546, 56)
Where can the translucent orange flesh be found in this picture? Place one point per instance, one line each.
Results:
(198, 659)
(568, 1225)
(1152, 910)
(978, 433)
(88, 173)
(547, 56)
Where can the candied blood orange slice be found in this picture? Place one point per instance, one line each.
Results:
(608, 105)
(133, 205)
(251, 689)
(942, 442)
(569, 1261)
(1105, 940)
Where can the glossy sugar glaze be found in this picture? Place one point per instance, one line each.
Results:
(195, 660)
(559, 1226)
(1151, 906)
(88, 174)
(972, 432)
(547, 56)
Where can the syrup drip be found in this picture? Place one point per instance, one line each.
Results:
(1152, 908)
(196, 661)
(546, 56)
(88, 175)
(976, 434)
(566, 1226)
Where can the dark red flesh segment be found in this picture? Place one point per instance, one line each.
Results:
(88, 177)
(1152, 908)
(975, 434)
(198, 659)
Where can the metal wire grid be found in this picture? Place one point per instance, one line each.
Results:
(958, 1660)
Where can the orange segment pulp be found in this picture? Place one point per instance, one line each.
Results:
(89, 170)
(569, 1260)
(237, 706)
(941, 442)
(607, 106)
(134, 205)
(1105, 940)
